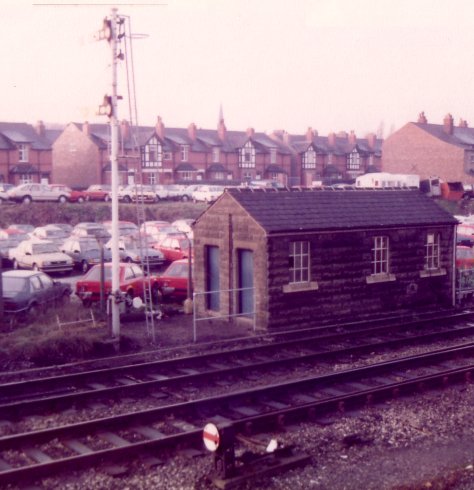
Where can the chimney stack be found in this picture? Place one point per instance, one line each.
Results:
(448, 124)
(422, 118)
(332, 139)
(86, 129)
(221, 130)
(463, 123)
(160, 128)
(192, 131)
(352, 138)
(309, 134)
(40, 129)
(250, 132)
(372, 140)
(125, 130)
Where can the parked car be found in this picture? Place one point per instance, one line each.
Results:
(9, 239)
(28, 292)
(124, 227)
(85, 252)
(184, 226)
(132, 281)
(142, 193)
(4, 187)
(3, 196)
(161, 192)
(175, 246)
(21, 227)
(464, 257)
(40, 255)
(27, 193)
(173, 283)
(91, 229)
(132, 250)
(98, 192)
(74, 195)
(51, 233)
(64, 226)
(187, 193)
(207, 193)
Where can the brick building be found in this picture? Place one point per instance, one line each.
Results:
(331, 159)
(26, 152)
(432, 150)
(304, 257)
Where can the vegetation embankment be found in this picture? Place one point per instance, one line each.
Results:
(40, 214)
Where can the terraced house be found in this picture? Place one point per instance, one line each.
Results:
(26, 152)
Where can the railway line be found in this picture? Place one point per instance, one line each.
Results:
(254, 386)
(37, 453)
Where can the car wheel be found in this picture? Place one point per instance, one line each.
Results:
(62, 199)
(107, 198)
(129, 260)
(185, 198)
(157, 199)
(84, 266)
(26, 200)
(15, 264)
(127, 199)
(80, 199)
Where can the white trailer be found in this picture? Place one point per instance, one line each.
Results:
(380, 180)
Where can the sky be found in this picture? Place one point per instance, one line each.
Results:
(333, 65)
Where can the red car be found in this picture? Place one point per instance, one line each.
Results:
(173, 283)
(98, 192)
(74, 196)
(175, 247)
(132, 281)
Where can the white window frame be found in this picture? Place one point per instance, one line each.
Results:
(26, 179)
(309, 158)
(23, 156)
(152, 180)
(247, 156)
(184, 149)
(299, 262)
(353, 160)
(152, 154)
(186, 175)
(381, 256)
(432, 251)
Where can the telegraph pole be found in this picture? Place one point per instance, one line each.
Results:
(110, 32)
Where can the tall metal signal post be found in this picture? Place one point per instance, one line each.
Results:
(111, 33)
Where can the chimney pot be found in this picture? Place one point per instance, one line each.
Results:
(309, 134)
(40, 129)
(352, 138)
(192, 131)
(448, 124)
(372, 140)
(422, 118)
(332, 139)
(463, 123)
(160, 128)
(250, 132)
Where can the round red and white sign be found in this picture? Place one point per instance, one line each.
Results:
(211, 437)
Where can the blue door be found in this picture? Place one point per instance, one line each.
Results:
(245, 282)
(212, 279)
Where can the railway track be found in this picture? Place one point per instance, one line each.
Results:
(19, 399)
(44, 452)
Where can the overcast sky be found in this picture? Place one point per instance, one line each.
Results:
(272, 64)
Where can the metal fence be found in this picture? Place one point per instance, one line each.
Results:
(218, 315)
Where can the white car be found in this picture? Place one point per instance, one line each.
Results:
(27, 193)
(207, 193)
(40, 255)
(50, 233)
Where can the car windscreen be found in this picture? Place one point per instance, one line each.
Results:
(15, 284)
(44, 248)
(177, 270)
(94, 274)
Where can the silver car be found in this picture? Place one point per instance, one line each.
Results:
(40, 255)
(27, 193)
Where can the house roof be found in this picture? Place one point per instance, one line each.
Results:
(13, 134)
(329, 209)
(463, 137)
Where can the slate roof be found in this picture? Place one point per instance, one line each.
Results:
(342, 145)
(326, 210)
(13, 134)
(463, 137)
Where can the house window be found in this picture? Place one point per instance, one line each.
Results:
(216, 155)
(245, 285)
(353, 160)
(380, 255)
(299, 262)
(151, 178)
(152, 154)
(26, 179)
(309, 158)
(22, 153)
(184, 153)
(167, 155)
(273, 155)
(186, 175)
(219, 176)
(247, 156)
(432, 251)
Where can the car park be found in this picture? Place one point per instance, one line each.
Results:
(133, 249)
(98, 192)
(74, 195)
(27, 193)
(85, 252)
(29, 292)
(132, 282)
(124, 227)
(91, 229)
(173, 283)
(40, 255)
(175, 246)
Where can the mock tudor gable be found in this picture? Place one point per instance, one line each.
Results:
(296, 258)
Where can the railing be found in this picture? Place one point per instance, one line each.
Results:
(464, 284)
(218, 314)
